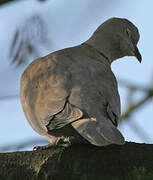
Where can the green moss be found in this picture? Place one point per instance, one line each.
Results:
(140, 173)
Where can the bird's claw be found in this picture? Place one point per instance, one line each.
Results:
(36, 148)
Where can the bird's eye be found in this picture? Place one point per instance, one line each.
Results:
(128, 31)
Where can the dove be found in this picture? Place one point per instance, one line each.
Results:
(71, 96)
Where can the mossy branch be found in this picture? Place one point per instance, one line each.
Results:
(81, 162)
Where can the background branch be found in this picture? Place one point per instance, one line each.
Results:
(129, 85)
(137, 105)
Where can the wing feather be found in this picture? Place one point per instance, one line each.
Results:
(45, 89)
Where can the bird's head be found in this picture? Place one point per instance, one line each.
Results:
(116, 38)
(129, 40)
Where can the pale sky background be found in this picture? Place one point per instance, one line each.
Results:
(69, 23)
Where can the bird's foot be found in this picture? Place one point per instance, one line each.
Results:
(60, 142)
(36, 148)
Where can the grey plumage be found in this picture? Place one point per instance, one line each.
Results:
(71, 95)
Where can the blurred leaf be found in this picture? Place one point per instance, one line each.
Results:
(6, 1)
(27, 39)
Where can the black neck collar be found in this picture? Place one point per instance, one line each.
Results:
(103, 55)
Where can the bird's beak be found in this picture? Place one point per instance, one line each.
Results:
(137, 54)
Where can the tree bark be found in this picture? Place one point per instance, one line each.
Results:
(80, 162)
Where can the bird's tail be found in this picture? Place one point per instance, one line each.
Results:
(98, 133)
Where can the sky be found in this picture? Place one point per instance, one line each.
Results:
(69, 23)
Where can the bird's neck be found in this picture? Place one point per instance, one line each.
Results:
(107, 44)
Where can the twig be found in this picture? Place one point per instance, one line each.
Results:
(13, 96)
(135, 106)
(132, 86)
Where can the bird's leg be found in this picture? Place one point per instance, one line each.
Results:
(64, 142)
